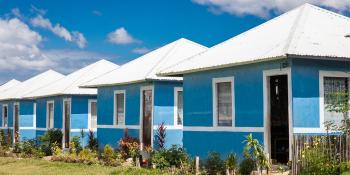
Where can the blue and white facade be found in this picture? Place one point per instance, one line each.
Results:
(272, 81)
(134, 98)
(18, 115)
(64, 105)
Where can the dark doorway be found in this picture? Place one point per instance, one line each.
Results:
(279, 118)
(147, 118)
(16, 123)
(66, 110)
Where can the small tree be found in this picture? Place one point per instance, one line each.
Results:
(255, 151)
(161, 134)
(92, 143)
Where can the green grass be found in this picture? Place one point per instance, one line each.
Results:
(15, 166)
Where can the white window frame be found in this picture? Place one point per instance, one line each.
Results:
(47, 114)
(215, 116)
(322, 75)
(115, 107)
(3, 115)
(176, 90)
(89, 114)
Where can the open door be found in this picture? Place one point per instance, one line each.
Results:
(16, 122)
(66, 115)
(147, 105)
(279, 123)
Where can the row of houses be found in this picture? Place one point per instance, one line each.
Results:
(274, 81)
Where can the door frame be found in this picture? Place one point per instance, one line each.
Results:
(64, 119)
(89, 113)
(148, 87)
(14, 121)
(266, 88)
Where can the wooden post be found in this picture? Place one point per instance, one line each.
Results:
(197, 165)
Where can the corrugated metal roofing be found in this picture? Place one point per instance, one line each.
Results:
(69, 85)
(305, 31)
(146, 66)
(9, 85)
(30, 85)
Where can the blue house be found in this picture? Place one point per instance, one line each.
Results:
(19, 114)
(273, 81)
(134, 97)
(64, 105)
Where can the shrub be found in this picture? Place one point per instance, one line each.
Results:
(109, 157)
(246, 166)
(92, 143)
(172, 157)
(87, 156)
(76, 145)
(9, 137)
(231, 163)
(160, 136)
(214, 164)
(2, 138)
(129, 146)
(49, 139)
(159, 159)
(316, 161)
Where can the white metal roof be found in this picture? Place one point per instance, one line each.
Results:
(69, 85)
(30, 85)
(9, 85)
(305, 31)
(146, 66)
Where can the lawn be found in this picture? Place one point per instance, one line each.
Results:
(15, 166)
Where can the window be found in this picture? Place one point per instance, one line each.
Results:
(119, 107)
(336, 91)
(223, 101)
(178, 106)
(93, 113)
(50, 114)
(5, 115)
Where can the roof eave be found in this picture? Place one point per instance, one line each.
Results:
(181, 73)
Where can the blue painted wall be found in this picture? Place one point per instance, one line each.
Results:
(163, 111)
(305, 89)
(198, 108)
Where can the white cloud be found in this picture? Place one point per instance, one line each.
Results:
(141, 50)
(19, 46)
(121, 36)
(21, 57)
(57, 29)
(263, 8)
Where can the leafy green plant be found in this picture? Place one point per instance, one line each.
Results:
(246, 166)
(254, 150)
(77, 145)
(160, 136)
(129, 147)
(92, 142)
(172, 157)
(49, 139)
(9, 137)
(214, 164)
(87, 156)
(2, 138)
(231, 163)
(110, 157)
(316, 161)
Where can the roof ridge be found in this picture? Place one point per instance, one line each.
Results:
(87, 71)
(294, 28)
(329, 12)
(176, 43)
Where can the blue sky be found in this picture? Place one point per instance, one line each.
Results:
(67, 35)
